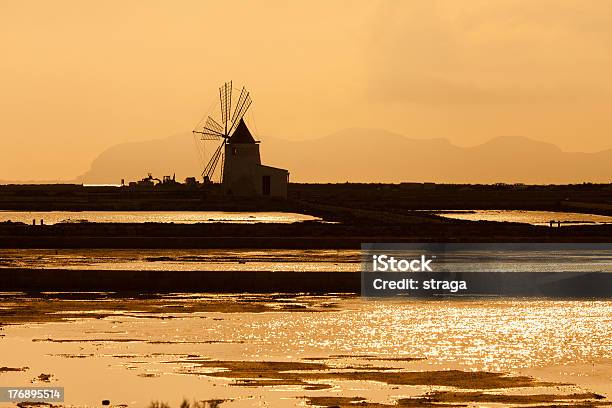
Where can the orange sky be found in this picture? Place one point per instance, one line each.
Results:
(77, 77)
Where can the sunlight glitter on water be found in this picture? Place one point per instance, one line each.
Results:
(177, 217)
(139, 349)
(526, 217)
(183, 260)
(488, 334)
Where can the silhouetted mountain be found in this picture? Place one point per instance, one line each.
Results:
(132, 161)
(369, 155)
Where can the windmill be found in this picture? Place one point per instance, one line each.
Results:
(211, 130)
(242, 173)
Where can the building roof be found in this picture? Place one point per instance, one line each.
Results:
(242, 134)
(272, 169)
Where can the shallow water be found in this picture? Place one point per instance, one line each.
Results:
(183, 260)
(177, 217)
(299, 260)
(135, 356)
(527, 217)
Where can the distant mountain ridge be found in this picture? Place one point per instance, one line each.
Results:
(368, 155)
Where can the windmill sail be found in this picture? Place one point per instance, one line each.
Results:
(231, 124)
(211, 130)
(212, 164)
(244, 101)
(225, 94)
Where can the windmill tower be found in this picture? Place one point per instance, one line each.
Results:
(242, 173)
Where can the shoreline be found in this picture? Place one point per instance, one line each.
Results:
(349, 234)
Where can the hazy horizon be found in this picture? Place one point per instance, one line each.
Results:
(272, 153)
(338, 160)
(78, 78)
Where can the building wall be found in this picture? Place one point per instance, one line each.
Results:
(278, 180)
(239, 167)
(243, 172)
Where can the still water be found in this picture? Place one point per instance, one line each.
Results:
(527, 217)
(194, 217)
(178, 217)
(294, 260)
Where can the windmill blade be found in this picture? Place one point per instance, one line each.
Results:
(211, 130)
(225, 94)
(212, 163)
(222, 165)
(209, 136)
(212, 126)
(244, 101)
(241, 100)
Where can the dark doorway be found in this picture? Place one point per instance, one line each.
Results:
(266, 185)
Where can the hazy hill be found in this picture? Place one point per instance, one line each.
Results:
(369, 155)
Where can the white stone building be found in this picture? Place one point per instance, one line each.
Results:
(243, 173)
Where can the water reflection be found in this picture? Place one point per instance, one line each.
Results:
(527, 217)
(153, 346)
(177, 217)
